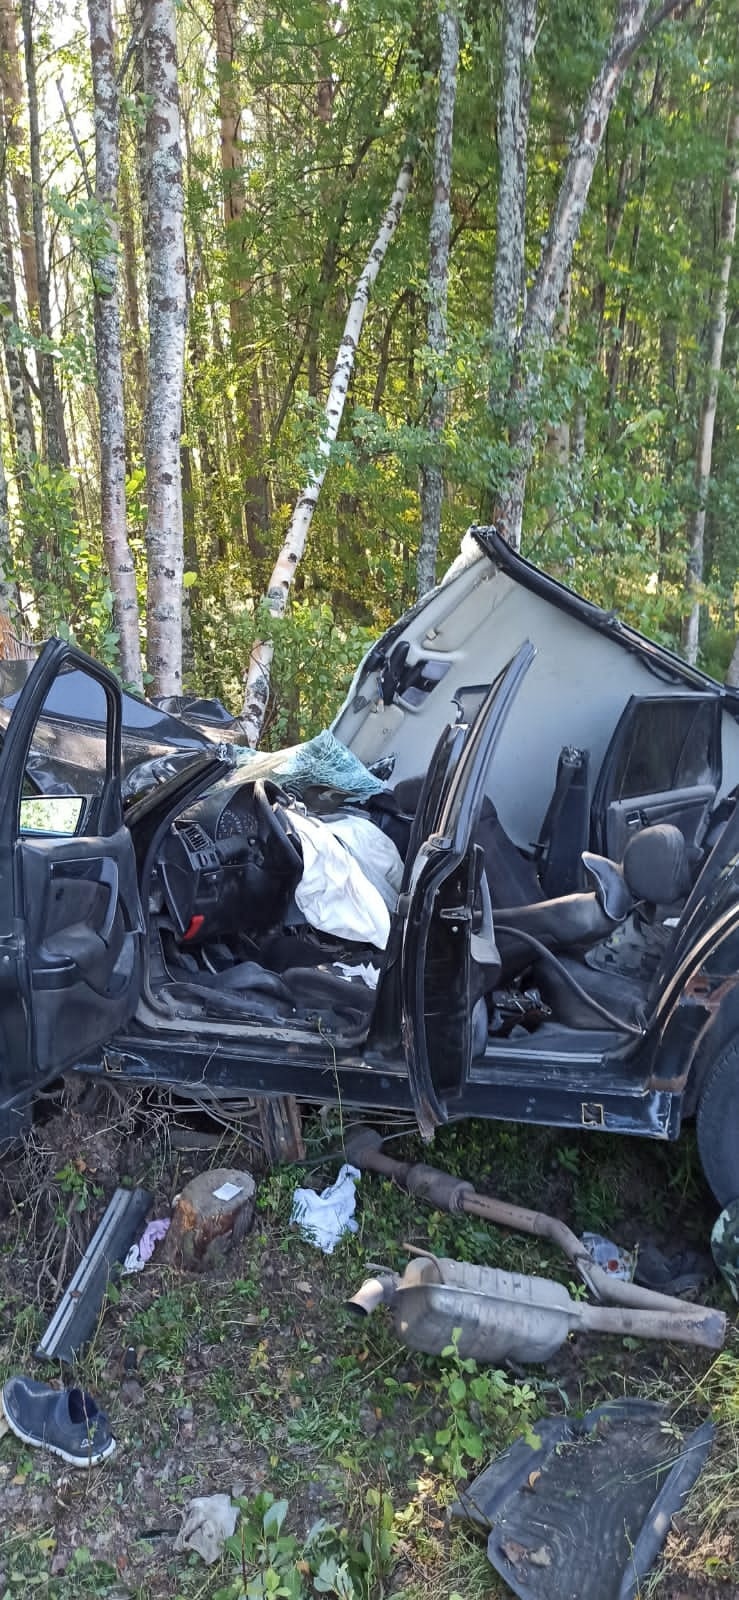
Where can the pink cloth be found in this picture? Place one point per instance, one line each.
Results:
(142, 1252)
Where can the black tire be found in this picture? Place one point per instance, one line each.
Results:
(717, 1125)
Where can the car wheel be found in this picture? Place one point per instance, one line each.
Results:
(717, 1125)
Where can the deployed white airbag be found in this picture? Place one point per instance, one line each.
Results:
(334, 894)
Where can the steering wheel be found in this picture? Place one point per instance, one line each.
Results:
(277, 826)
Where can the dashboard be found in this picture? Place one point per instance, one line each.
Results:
(230, 862)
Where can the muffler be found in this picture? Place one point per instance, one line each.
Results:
(506, 1316)
(707, 1326)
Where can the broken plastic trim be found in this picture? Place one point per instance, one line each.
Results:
(78, 1310)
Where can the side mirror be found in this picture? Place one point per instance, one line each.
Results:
(57, 814)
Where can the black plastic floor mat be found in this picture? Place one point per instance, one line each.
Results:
(586, 1514)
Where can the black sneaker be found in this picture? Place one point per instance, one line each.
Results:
(65, 1421)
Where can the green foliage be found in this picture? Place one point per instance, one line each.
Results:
(484, 1408)
(75, 1186)
(59, 564)
(163, 1330)
(328, 1561)
(90, 228)
(331, 109)
(315, 658)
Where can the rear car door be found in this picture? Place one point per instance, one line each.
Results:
(663, 765)
(449, 954)
(71, 927)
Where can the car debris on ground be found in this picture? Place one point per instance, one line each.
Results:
(77, 1313)
(499, 1316)
(618, 1262)
(457, 1195)
(585, 1508)
(140, 1253)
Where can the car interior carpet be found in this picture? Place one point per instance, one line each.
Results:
(249, 991)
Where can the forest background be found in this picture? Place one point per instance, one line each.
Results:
(188, 196)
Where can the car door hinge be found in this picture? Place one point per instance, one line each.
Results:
(456, 914)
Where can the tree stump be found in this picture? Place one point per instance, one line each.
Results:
(212, 1213)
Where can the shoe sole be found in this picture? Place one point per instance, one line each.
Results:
(90, 1460)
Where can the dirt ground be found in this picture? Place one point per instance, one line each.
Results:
(254, 1380)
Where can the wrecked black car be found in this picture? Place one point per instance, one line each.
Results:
(507, 885)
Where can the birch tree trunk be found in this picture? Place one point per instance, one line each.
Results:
(7, 587)
(256, 692)
(440, 230)
(11, 88)
(136, 364)
(167, 319)
(52, 417)
(256, 499)
(706, 425)
(108, 349)
(20, 403)
(514, 101)
(633, 23)
(21, 414)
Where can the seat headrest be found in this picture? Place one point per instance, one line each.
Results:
(656, 865)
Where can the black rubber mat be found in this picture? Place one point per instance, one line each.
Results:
(586, 1514)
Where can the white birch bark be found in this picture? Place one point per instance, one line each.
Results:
(256, 691)
(167, 296)
(707, 423)
(7, 587)
(517, 48)
(20, 405)
(440, 230)
(633, 22)
(11, 90)
(55, 439)
(108, 354)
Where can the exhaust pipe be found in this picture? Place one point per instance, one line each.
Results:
(457, 1195)
(500, 1316)
(371, 1294)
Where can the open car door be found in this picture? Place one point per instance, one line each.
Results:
(71, 926)
(449, 954)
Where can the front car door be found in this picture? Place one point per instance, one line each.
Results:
(449, 955)
(71, 926)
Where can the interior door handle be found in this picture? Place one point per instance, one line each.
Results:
(109, 878)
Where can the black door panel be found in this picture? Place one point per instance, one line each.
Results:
(71, 927)
(83, 929)
(663, 765)
(688, 809)
(448, 941)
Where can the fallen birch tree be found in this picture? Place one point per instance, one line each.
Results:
(257, 683)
